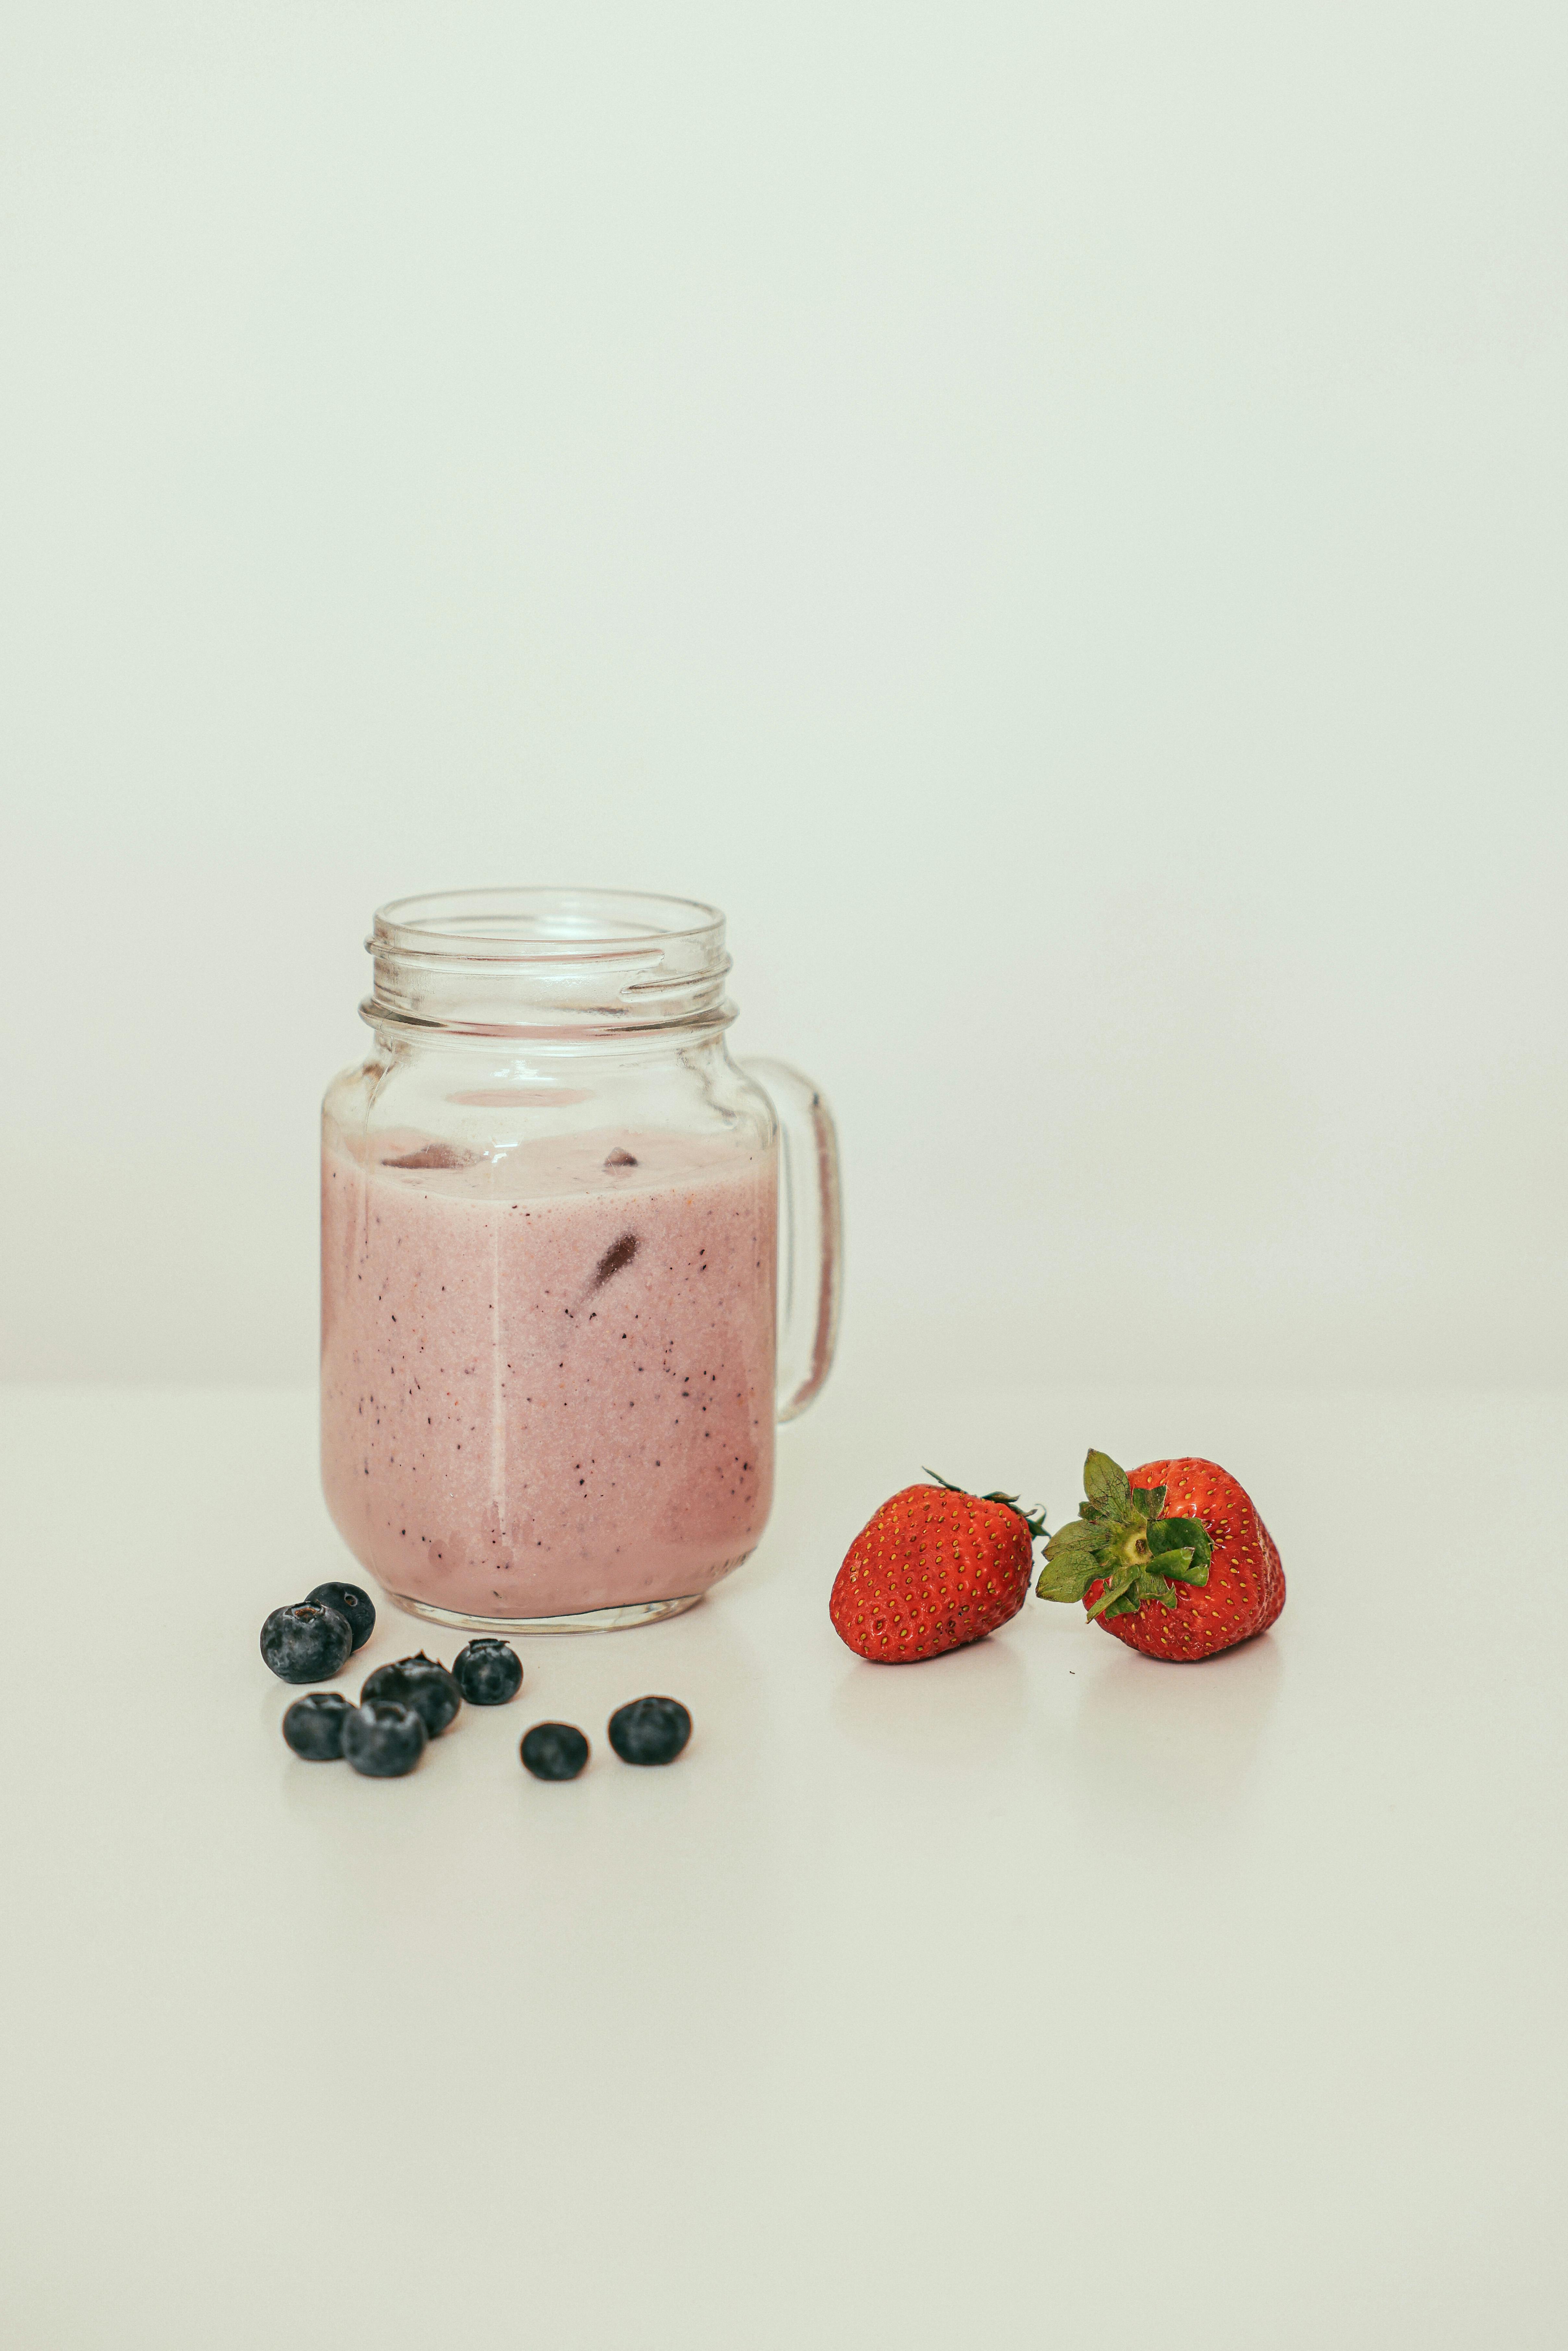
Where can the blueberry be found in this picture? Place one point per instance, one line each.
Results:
(554, 1750)
(382, 1738)
(350, 1602)
(306, 1643)
(488, 1672)
(313, 1726)
(650, 1730)
(420, 1682)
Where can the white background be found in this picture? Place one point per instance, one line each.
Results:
(1051, 516)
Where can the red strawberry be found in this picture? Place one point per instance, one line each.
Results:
(935, 1568)
(1174, 1560)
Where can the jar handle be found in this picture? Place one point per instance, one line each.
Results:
(811, 1233)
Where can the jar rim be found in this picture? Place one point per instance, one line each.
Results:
(537, 922)
(547, 963)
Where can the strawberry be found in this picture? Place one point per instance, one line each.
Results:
(934, 1569)
(1174, 1560)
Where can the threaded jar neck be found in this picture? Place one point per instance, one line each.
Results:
(548, 963)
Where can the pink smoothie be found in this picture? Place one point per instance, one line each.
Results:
(548, 1378)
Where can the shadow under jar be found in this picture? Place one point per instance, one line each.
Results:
(575, 1262)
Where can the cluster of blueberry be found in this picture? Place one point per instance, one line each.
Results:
(403, 1705)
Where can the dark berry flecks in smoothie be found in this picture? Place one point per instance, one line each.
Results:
(618, 1254)
(434, 1155)
(534, 1404)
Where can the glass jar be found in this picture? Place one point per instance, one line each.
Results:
(561, 1306)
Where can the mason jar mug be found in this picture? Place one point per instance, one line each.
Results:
(575, 1262)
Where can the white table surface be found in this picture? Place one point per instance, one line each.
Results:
(1042, 1994)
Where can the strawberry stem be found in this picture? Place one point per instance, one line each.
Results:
(1121, 1540)
(1033, 1520)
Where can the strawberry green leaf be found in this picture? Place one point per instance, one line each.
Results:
(1076, 1535)
(1119, 1540)
(1168, 1537)
(1179, 1563)
(1105, 1483)
(1066, 1576)
(1181, 1530)
(1112, 1593)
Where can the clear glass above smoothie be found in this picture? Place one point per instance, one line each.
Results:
(547, 1379)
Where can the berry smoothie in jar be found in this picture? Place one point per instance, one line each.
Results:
(553, 1341)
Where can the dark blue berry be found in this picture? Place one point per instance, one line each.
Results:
(420, 1682)
(306, 1643)
(488, 1672)
(313, 1726)
(383, 1740)
(350, 1602)
(650, 1730)
(554, 1750)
